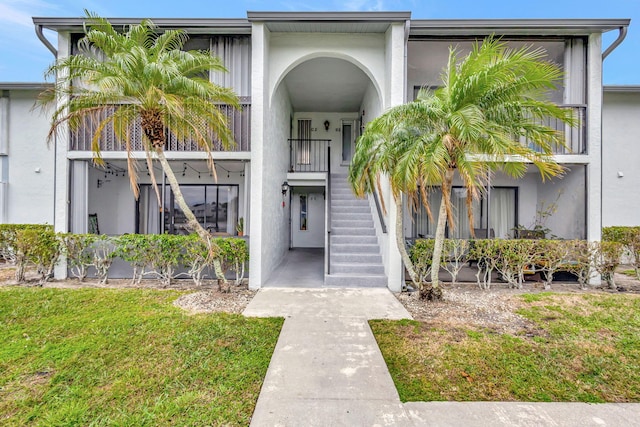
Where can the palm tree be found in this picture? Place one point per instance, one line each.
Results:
(472, 126)
(141, 76)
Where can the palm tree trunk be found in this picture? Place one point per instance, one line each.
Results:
(406, 259)
(438, 244)
(192, 222)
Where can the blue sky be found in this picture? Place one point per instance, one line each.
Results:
(23, 57)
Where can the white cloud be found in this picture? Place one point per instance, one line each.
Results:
(12, 15)
(22, 54)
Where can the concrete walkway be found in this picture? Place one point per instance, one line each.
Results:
(327, 370)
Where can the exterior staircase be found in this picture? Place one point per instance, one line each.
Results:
(355, 259)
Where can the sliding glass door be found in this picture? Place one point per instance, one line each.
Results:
(214, 206)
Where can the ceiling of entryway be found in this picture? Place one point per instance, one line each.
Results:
(326, 85)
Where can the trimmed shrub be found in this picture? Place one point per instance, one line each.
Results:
(104, 250)
(37, 246)
(19, 246)
(607, 259)
(134, 249)
(454, 256)
(581, 260)
(629, 237)
(77, 249)
(421, 254)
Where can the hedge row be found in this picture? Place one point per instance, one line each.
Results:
(513, 259)
(629, 238)
(158, 255)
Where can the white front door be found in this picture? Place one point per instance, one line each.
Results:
(307, 217)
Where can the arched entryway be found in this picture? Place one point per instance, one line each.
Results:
(329, 100)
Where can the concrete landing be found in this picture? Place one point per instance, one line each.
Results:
(300, 268)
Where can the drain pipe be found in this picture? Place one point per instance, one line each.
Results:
(53, 50)
(44, 40)
(621, 36)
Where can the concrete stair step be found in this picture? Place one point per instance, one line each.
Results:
(351, 223)
(352, 248)
(350, 202)
(370, 240)
(357, 280)
(363, 269)
(336, 209)
(353, 231)
(356, 258)
(354, 216)
(337, 198)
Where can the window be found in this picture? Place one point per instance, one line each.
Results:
(303, 154)
(303, 212)
(501, 212)
(346, 142)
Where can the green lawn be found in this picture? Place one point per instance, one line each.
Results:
(126, 358)
(581, 347)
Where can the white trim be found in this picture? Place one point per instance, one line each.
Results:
(171, 155)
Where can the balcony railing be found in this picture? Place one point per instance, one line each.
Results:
(239, 121)
(309, 155)
(575, 137)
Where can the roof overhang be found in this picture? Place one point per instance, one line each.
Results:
(329, 22)
(622, 88)
(24, 85)
(516, 27)
(191, 25)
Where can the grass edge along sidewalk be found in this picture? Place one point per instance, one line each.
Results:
(578, 348)
(126, 357)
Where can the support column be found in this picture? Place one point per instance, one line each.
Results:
(395, 83)
(61, 185)
(259, 103)
(79, 197)
(4, 158)
(594, 142)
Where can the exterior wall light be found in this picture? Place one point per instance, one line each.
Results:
(285, 188)
(326, 125)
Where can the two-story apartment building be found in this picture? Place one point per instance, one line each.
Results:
(309, 83)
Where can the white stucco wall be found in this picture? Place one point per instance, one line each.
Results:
(273, 56)
(287, 50)
(259, 104)
(30, 162)
(621, 153)
(113, 202)
(396, 69)
(275, 217)
(594, 138)
(568, 195)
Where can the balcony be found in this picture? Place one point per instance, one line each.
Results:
(575, 138)
(309, 155)
(239, 121)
